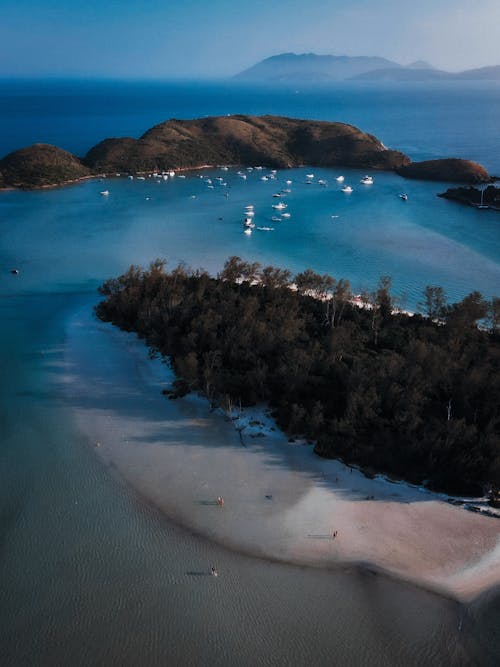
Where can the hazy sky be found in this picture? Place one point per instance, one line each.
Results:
(214, 38)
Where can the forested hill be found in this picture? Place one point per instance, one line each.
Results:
(414, 396)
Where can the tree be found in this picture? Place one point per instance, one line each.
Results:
(434, 303)
(274, 277)
(383, 298)
(465, 314)
(494, 315)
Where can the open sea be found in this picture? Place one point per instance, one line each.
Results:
(90, 575)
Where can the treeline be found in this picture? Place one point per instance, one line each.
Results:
(417, 396)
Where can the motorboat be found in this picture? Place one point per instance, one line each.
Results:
(280, 206)
(285, 215)
(347, 188)
(265, 229)
(247, 230)
(277, 194)
(104, 193)
(288, 182)
(403, 196)
(309, 176)
(340, 179)
(367, 180)
(276, 218)
(248, 222)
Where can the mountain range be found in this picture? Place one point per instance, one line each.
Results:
(310, 68)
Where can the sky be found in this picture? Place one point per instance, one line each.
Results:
(217, 38)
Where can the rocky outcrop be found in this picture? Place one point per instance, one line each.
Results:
(450, 170)
(489, 197)
(40, 165)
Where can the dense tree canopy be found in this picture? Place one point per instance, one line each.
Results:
(414, 396)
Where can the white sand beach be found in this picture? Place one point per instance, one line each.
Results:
(281, 501)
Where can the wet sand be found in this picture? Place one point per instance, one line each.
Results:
(281, 501)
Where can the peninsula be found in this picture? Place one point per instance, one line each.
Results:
(273, 141)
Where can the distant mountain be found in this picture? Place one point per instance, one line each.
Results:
(309, 68)
(412, 73)
(420, 64)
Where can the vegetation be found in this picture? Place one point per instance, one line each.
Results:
(417, 396)
(39, 166)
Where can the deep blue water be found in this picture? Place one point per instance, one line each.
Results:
(89, 575)
(433, 120)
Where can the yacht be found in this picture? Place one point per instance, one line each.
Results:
(247, 230)
(285, 215)
(104, 193)
(347, 188)
(309, 176)
(248, 222)
(340, 179)
(367, 180)
(280, 206)
(288, 182)
(403, 196)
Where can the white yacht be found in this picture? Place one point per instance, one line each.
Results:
(340, 179)
(104, 193)
(280, 206)
(367, 180)
(347, 188)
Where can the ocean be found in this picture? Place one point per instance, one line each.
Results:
(91, 574)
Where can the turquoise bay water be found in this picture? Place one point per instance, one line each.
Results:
(88, 573)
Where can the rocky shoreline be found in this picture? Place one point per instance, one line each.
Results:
(272, 141)
(488, 198)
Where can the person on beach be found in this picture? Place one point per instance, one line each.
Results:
(220, 501)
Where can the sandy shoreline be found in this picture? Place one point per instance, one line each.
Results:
(282, 502)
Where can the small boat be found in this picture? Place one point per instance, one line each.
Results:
(288, 182)
(164, 176)
(277, 194)
(286, 191)
(181, 176)
(104, 193)
(286, 215)
(367, 180)
(347, 188)
(265, 229)
(15, 272)
(130, 177)
(249, 168)
(322, 182)
(340, 179)
(248, 230)
(224, 168)
(210, 187)
(250, 213)
(248, 222)
(243, 176)
(264, 178)
(171, 174)
(403, 196)
(141, 178)
(279, 207)
(276, 218)
(259, 168)
(309, 176)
